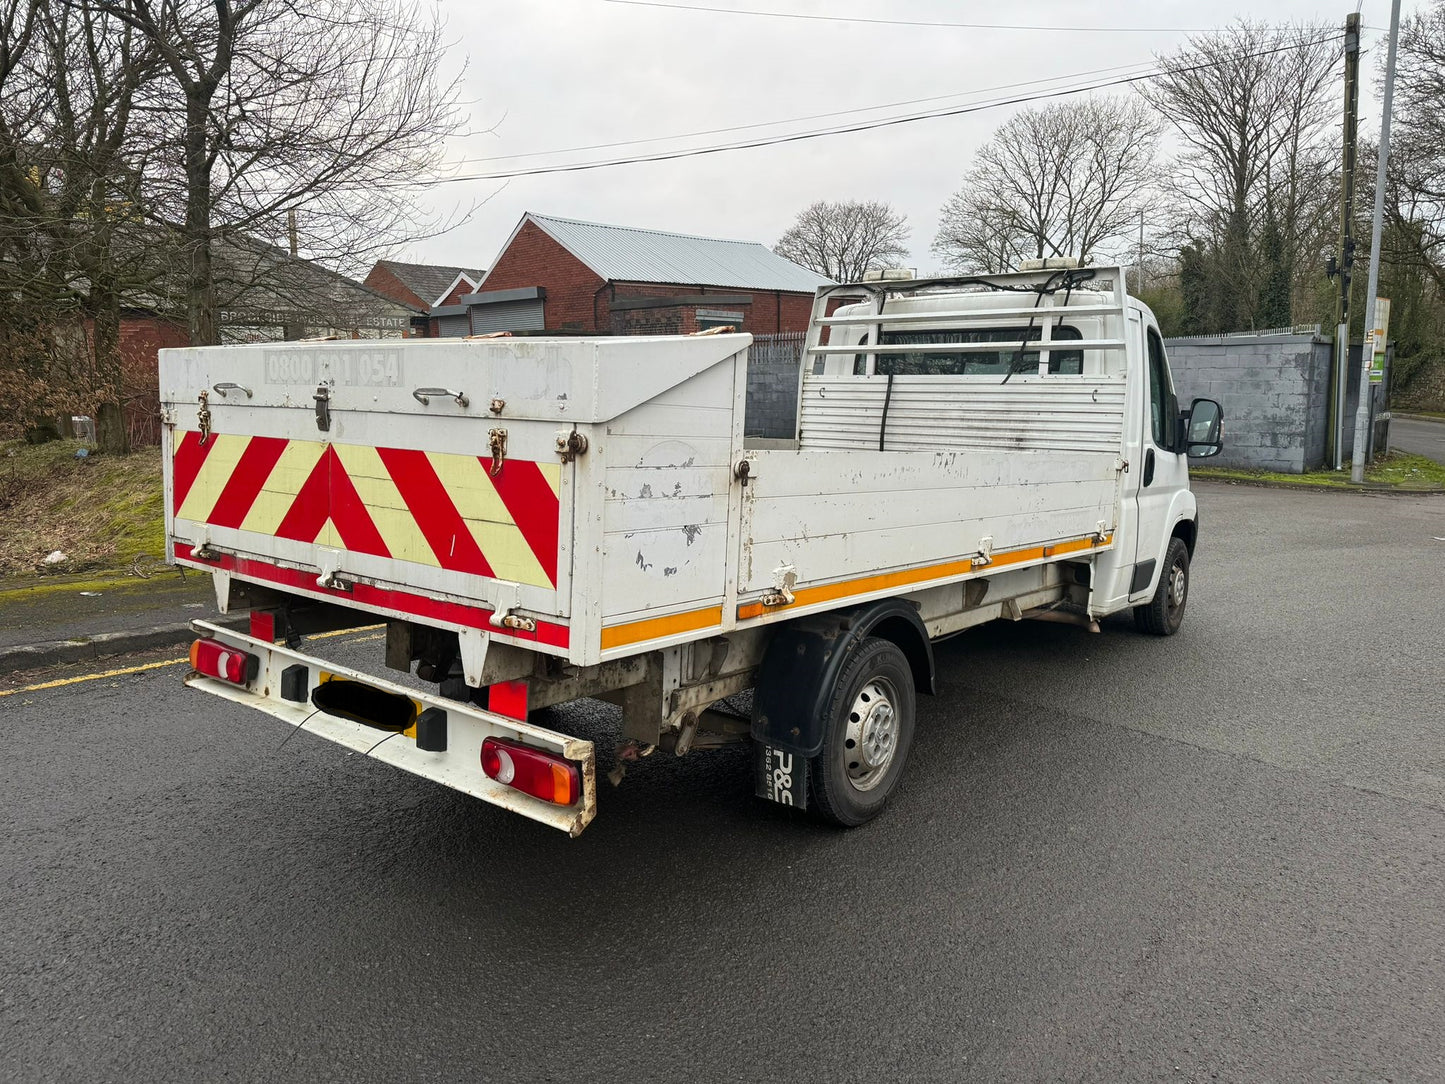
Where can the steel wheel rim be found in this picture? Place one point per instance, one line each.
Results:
(871, 738)
(1178, 585)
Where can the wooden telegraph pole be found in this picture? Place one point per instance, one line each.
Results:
(1346, 256)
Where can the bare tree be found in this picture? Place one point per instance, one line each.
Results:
(97, 68)
(1252, 106)
(1061, 180)
(321, 113)
(1415, 198)
(69, 215)
(844, 240)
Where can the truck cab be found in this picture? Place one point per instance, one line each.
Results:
(1082, 331)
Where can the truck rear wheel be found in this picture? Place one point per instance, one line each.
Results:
(869, 730)
(1164, 613)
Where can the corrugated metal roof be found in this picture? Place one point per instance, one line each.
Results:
(630, 255)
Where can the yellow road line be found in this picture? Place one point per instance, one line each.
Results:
(122, 671)
(93, 677)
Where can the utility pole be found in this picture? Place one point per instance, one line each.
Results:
(1346, 257)
(1362, 411)
(292, 332)
(1139, 276)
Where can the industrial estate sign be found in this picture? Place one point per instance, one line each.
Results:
(348, 319)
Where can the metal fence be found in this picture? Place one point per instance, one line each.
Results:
(773, 365)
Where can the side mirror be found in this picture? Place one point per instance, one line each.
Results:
(1204, 429)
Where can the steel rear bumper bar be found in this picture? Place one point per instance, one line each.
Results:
(458, 767)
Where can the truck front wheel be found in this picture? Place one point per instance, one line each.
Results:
(1164, 613)
(869, 729)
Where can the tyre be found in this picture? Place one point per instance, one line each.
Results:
(1164, 613)
(868, 732)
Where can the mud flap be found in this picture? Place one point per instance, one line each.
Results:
(780, 776)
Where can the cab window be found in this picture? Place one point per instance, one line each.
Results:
(924, 362)
(1158, 391)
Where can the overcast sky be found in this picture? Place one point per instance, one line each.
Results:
(545, 75)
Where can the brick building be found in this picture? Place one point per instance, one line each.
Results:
(560, 275)
(423, 285)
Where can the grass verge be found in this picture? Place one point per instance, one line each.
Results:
(1398, 470)
(101, 511)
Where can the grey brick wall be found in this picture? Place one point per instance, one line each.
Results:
(1274, 390)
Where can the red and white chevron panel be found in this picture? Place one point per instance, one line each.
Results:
(443, 510)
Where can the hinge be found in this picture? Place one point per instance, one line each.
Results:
(506, 619)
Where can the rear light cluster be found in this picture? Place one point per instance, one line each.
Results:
(217, 660)
(542, 775)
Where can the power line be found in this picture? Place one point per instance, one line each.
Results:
(861, 126)
(909, 22)
(798, 120)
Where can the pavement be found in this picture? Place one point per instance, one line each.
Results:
(1219, 856)
(1418, 435)
(51, 620)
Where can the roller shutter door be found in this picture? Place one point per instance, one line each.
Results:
(508, 316)
(453, 327)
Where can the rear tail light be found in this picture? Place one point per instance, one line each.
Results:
(542, 775)
(217, 660)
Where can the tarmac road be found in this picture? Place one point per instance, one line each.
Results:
(1422, 437)
(1114, 858)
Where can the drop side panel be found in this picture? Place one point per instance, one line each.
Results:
(666, 479)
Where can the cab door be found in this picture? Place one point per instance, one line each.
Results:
(1162, 471)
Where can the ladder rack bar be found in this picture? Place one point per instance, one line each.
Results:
(1058, 346)
(971, 314)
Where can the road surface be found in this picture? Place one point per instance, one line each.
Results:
(1418, 436)
(1218, 856)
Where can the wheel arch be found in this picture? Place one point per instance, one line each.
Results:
(805, 657)
(1188, 530)
(907, 633)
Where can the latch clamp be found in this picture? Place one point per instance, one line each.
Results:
(497, 442)
(323, 407)
(570, 445)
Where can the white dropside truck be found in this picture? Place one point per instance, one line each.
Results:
(537, 520)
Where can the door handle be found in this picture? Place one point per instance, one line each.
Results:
(423, 396)
(1148, 466)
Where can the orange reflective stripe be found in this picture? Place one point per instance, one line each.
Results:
(654, 628)
(908, 577)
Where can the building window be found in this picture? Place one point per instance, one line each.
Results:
(707, 318)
